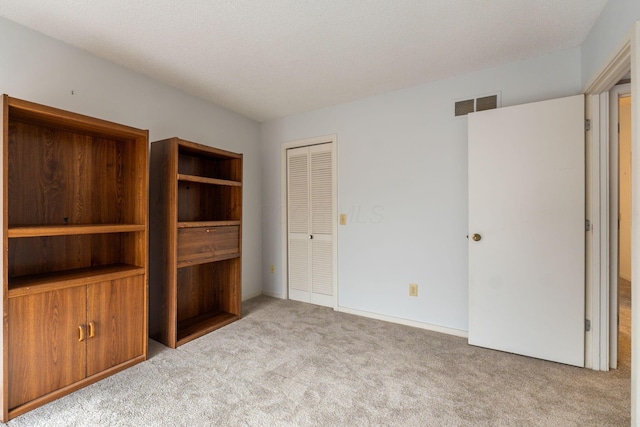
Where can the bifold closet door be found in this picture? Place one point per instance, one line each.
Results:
(310, 214)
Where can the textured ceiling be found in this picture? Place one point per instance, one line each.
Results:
(272, 58)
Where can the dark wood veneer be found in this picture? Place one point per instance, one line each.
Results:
(195, 241)
(74, 233)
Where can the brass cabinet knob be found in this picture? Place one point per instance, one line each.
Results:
(476, 237)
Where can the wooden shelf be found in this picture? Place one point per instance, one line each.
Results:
(19, 286)
(188, 147)
(204, 180)
(70, 230)
(195, 282)
(210, 259)
(25, 111)
(75, 263)
(193, 224)
(190, 329)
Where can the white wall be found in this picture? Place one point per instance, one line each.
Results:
(402, 180)
(612, 25)
(40, 69)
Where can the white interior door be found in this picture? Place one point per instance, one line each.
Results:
(311, 224)
(526, 203)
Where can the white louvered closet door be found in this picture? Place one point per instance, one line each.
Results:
(311, 224)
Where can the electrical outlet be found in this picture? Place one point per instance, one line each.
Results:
(272, 269)
(413, 289)
(343, 219)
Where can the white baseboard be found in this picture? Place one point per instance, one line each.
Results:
(413, 323)
(273, 294)
(252, 295)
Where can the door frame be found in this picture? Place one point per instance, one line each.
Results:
(626, 58)
(332, 139)
(614, 232)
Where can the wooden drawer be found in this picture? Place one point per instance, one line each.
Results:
(206, 244)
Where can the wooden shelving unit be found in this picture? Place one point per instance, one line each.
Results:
(75, 265)
(196, 223)
(69, 230)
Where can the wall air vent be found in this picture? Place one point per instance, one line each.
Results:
(464, 107)
(481, 103)
(487, 103)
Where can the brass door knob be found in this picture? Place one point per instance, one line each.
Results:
(476, 237)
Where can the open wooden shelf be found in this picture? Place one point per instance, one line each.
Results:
(212, 258)
(74, 294)
(190, 329)
(195, 282)
(194, 224)
(19, 286)
(71, 230)
(203, 202)
(204, 180)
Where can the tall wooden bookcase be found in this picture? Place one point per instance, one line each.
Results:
(195, 240)
(74, 234)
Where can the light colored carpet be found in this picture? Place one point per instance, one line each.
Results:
(293, 364)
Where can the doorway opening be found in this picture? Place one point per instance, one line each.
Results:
(602, 289)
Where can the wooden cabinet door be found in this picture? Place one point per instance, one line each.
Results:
(115, 319)
(45, 347)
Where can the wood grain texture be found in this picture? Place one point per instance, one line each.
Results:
(208, 162)
(63, 391)
(4, 260)
(204, 244)
(53, 117)
(196, 220)
(116, 309)
(231, 295)
(162, 242)
(196, 327)
(198, 292)
(203, 180)
(26, 285)
(75, 213)
(194, 224)
(208, 289)
(39, 255)
(44, 351)
(200, 202)
(41, 163)
(68, 230)
(109, 191)
(107, 181)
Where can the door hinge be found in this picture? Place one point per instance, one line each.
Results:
(587, 225)
(587, 125)
(587, 325)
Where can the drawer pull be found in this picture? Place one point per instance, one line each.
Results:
(92, 329)
(80, 333)
(210, 230)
